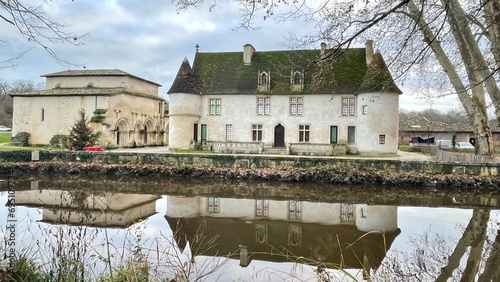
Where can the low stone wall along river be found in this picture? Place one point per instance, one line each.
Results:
(357, 171)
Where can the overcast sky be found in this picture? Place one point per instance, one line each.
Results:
(150, 39)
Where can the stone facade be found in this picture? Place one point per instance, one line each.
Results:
(290, 101)
(126, 109)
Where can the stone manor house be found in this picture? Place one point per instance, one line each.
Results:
(305, 102)
(311, 102)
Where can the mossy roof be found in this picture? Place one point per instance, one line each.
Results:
(225, 73)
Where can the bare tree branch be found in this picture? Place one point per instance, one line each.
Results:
(32, 23)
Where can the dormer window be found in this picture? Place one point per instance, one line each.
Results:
(297, 81)
(297, 78)
(264, 81)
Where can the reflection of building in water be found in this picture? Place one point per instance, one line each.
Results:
(82, 208)
(329, 233)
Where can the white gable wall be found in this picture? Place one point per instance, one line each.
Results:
(382, 119)
(60, 113)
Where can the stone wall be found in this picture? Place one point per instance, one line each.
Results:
(258, 161)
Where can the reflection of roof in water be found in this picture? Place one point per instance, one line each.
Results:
(332, 245)
(112, 219)
(83, 208)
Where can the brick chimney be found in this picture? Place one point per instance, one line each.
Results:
(369, 51)
(248, 51)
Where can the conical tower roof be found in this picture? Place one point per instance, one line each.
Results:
(185, 80)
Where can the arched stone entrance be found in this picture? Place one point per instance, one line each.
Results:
(149, 132)
(139, 133)
(121, 133)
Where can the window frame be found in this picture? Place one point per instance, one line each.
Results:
(261, 208)
(304, 133)
(381, 139)
(263, 80)
(347, 213)
(229, 132)
(294, 210)
(213, 205)
(214, 109)
(296, 106)
(348, 106)
(297, 78)
(256, 132)
(263, 106)
(365, 109)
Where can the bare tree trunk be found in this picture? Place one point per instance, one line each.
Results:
(492, 29)
(473, 234)
(469, 47)
(472, 64)
(477, 245)
(474, 107)
(491, 269)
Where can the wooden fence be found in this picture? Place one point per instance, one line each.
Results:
(460, 157)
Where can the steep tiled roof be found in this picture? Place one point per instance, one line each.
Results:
(99, 72)
(226, 73)
(378, 78)
(90, 91)
(184, 81)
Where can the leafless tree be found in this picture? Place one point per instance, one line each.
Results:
(434, 259)
(442, 47)
(19, 86)
(33, 24)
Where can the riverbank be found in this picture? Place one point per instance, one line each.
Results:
(323, 174)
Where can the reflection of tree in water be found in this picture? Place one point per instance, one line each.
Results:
(433, 259)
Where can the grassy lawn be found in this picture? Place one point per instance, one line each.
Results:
(5, 144)
(5, 137)
(17, 148)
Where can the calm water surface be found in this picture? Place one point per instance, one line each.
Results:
(210, 230)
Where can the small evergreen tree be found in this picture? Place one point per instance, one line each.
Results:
(82, 135)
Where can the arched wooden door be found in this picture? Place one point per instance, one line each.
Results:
(279, 136)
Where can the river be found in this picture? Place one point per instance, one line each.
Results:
(220, 230)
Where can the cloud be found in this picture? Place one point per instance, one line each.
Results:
(148, 39)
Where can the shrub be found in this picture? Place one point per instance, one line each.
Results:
(15, 156)
(21, 139)
(60, 141)
(133, 144)
(97, 118)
